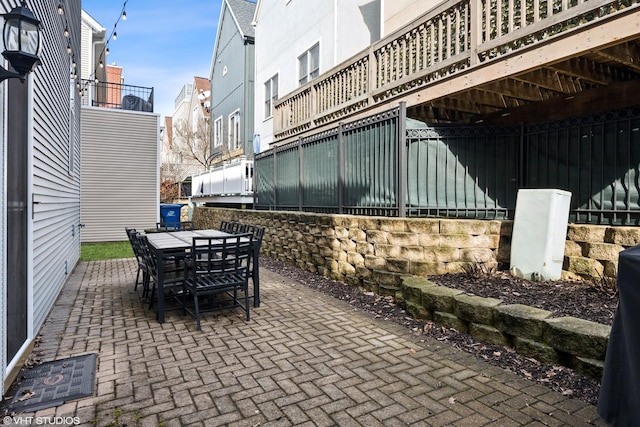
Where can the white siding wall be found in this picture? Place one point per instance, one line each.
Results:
(285, 30)
(3, 237)
(54, 183)
(120, 172)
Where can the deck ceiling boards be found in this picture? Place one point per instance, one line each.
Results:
(532, 92)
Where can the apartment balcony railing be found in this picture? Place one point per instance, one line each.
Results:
(120, 96)
(456, 35)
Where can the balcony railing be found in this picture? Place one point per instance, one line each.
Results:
(454, 36)
(114, 95)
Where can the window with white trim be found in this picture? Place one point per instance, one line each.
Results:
(270, 95)
(217, 132)
(234, 130)
(309, 65)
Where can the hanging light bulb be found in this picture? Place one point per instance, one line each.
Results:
(115, 35)
(106, 51)
(66, 32)
(101, 64)
(60, 9)
(124, 15)
(69, 47)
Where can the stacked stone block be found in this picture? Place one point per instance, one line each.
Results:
(572, 342)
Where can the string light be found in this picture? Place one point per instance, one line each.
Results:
(60, 9)
(105, 51)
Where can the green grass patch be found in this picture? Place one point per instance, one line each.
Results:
(105, 250)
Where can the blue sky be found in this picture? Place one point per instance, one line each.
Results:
(162, 44)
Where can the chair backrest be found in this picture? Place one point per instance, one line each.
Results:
(186, 225)
(174, 226)
(145, 253)
(256, 231)
(225, 226)
(221, 255)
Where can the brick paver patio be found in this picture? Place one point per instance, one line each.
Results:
(304, 359)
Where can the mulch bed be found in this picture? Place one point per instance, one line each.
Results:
(590, 301)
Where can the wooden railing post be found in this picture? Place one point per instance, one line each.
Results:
(372, 77)
(475, 27)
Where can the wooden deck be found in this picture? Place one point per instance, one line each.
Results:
(483, 61)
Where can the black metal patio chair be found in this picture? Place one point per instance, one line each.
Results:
(219, 269)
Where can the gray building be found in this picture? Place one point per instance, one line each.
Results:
(232, 81)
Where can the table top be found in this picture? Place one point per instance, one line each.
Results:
(180, 240)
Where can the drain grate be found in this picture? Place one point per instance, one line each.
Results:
(53, 383)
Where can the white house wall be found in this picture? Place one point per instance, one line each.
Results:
(120, 172)
(285, 30)
(54, 180)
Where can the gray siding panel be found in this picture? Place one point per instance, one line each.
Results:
(120, 175)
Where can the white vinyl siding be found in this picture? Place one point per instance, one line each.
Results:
(55, 157)
(120, 173)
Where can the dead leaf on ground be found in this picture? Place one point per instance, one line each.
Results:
(26, 394)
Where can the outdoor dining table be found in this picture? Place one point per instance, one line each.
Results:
(175, 243)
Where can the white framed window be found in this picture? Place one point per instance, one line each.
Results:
(234, 130)
(309, 64)
(270, 95)
(217, 132)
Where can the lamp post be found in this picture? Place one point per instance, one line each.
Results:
(22, 42)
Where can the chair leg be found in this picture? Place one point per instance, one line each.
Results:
(246, 302)
(197, 311)
(145, 284)
(135, 288)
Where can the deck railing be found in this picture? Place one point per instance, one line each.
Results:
(455, 35)
(115, 95)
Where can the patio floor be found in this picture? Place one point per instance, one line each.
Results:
(304, 359)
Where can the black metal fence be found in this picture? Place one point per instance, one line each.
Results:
(115, 95)
(384, 166)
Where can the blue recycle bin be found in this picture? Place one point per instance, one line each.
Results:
(170, 214)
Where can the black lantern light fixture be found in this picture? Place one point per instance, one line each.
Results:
(22, 42)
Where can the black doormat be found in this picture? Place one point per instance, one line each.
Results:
(53, 383)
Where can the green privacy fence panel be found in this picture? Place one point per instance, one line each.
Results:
(468, 172)
(371, 164)
(320, 172)
(364, 168)
(265, 181)
(350, 169)
(596, 158)
(287, 177)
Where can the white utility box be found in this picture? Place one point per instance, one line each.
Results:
(539, 233)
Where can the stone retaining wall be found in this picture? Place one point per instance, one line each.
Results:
(532, 332)
(374, 252)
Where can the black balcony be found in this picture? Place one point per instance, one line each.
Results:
(119, 96)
